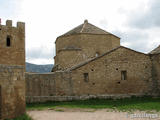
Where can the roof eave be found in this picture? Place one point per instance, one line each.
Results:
(85, 33)
(88, 61)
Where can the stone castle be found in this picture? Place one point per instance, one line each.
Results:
(89, 62)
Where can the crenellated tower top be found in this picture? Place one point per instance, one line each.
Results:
(12, 43)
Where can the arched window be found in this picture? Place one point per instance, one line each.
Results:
(8, 41)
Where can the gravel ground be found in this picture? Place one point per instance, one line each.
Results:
(90, 114)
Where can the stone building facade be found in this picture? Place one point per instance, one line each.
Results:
(114, 72)
(82, 43)
(12, 69)
(155, 60)
(91, 62)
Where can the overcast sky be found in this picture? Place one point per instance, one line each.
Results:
(136, 22)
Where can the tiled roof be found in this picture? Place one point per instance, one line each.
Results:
(86, 28)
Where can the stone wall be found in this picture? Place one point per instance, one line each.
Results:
(15, 53)
(155, 58)
(65, 58)
(12, 84)
(51, 84)
(104, 78)
(74, 49)
(105, 74)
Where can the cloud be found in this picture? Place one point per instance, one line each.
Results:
(47, 19)
(139, 40)
(41, 53)
(141, 29)
(147, 16)
(9, 9)
(133, 39)
(41, 61)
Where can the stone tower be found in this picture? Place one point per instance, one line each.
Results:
(12, 67)
(82, 43)
(12, 44)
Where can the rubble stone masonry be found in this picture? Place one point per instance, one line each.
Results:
(12, 84)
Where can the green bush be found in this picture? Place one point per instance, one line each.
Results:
(22, 117)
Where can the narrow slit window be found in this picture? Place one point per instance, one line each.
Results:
(8, 41)
(86, 77)
(123, 75)
(97, 54)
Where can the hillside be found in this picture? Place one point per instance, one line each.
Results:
(38, 68)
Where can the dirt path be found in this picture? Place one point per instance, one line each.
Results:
(90, 115)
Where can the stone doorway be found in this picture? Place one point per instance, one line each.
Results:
(0, 103)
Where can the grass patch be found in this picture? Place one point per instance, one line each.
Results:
(59, 110)
(127, 104)
(22, 117)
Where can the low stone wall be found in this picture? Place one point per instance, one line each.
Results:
(48, 84)
(104, 78)
(41, 99)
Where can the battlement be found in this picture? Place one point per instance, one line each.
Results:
(20, 25)
(12, 43)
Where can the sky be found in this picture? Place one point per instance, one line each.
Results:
(136, 22)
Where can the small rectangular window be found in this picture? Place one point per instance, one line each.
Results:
(124, 75)
(86, 77)
(8, 41)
